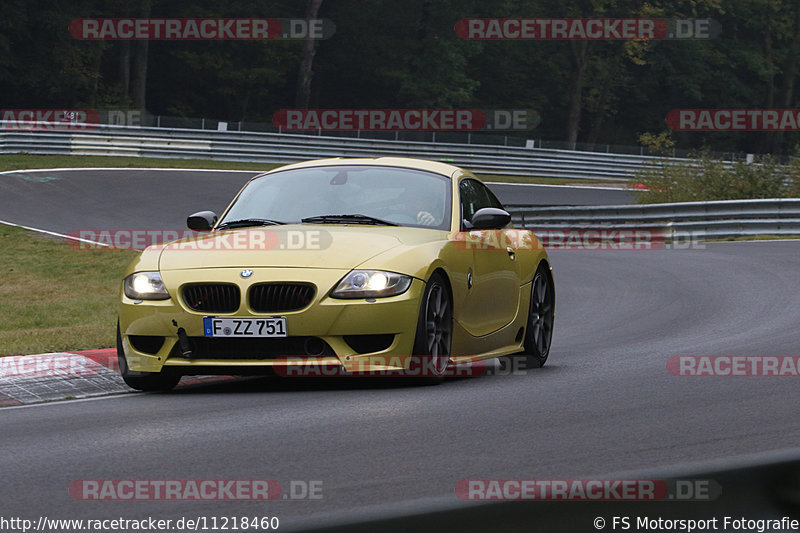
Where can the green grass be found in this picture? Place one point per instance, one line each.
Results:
(56, 298)
(27, 161)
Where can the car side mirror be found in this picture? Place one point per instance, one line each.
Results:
(490, 218)
(202, 221)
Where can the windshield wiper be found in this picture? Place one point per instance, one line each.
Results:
(355, 219)
(247, 222)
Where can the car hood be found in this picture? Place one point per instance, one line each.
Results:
(295, 245)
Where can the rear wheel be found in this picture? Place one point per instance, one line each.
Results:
(143, 381)
(434, 330)
(539, 329)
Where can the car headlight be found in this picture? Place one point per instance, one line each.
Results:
(145, 286)
(371, 284)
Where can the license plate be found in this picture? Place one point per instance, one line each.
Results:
(245, 327)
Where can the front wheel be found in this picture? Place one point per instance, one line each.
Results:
(143, 381)
(434, 330)
(539, 329)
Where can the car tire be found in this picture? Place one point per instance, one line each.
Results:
(541, 311)
(143, 381)
(434, 334)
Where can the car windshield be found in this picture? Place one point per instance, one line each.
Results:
(336, 194)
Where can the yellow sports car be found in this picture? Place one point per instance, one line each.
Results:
(361, 265)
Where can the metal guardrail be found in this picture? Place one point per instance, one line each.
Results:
(107, 140)
(698, 220)
(131, 117)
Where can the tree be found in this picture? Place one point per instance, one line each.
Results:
(305, 72)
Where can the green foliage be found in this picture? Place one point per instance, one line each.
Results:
(661, 144)
(705, 179)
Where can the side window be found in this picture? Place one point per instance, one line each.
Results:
(475, 195)
(470, 200)
(493, 201)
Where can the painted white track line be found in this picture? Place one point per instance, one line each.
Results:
(70, 237)
(53, 233)
(110, 396)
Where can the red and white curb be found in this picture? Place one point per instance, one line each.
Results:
(26, 379)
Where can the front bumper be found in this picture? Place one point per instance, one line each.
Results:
(149, 329)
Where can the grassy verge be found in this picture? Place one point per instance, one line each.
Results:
(55, 298)
(27, 161)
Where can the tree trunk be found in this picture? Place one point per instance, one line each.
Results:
(303, 95)
(576, 92)
(97, 63)
(600, 114)
(769, 60)
(789, 72)
(768, 141)
(139, 81)
(125, 71)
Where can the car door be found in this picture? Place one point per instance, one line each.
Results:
(492, 300)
